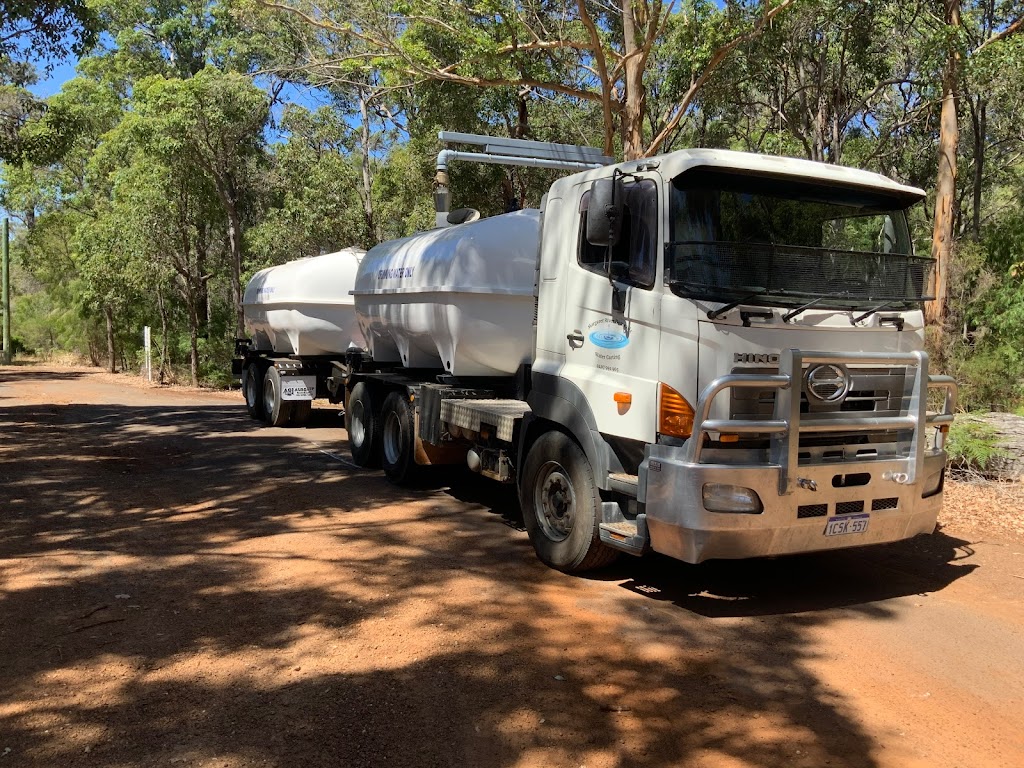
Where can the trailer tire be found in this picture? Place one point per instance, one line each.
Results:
(300, 412)
(276, 411)
(398, 440)
(252, 387)
(561, 504)
(363, 422)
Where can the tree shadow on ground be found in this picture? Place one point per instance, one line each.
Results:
(180, 585)
(800, 583)
(19, 372)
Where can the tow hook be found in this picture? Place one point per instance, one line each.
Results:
(806, 484)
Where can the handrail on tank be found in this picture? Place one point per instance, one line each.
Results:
(787, 425)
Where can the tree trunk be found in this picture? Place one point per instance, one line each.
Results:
(945, 187)
(193, 336)
(980, 114)
(108, 315)
(235, 247)
(164, 352)
(371, 228)
(205, 309)
(632, 115)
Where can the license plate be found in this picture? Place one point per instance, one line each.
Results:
(298, 387)
(838, 526)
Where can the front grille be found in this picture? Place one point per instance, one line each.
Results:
(811, 510)
(872, 390)
(849, 507)
(879, 504)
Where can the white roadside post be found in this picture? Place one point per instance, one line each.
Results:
(149, 356)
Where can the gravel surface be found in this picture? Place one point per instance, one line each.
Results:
(182, 586)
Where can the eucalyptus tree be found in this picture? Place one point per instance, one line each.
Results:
(818, 77)
(213, 122)
(959, 48)
(31, 32)
(577, 50)
(313, 186)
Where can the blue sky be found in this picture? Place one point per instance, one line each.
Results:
(61, 73)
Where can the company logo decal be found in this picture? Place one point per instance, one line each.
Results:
(748, 358)
(394, 272)
(609, 339)
(828, 382)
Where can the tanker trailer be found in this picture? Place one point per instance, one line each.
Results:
(301, 323)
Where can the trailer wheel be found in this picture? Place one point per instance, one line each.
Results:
(398, 441)
(363, 424)
(300, 412)
(253, 388)
(276, 411)
(560, 504)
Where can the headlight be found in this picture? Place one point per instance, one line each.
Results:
(719, 497)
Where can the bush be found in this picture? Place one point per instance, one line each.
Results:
(972, 445)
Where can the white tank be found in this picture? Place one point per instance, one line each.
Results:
(460, 299)
(305, 307)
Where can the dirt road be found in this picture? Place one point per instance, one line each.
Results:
(180, 586)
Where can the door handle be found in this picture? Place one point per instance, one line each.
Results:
(575, 339)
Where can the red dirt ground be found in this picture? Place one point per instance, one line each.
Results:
(181, 586)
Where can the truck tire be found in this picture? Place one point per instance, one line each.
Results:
(276, 411)
(300, 412)
(252, 386)
(363, 423)
(561, 504)
(398, 439)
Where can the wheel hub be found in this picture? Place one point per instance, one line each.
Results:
(557, 503)
(392, 438)
(269, 395)
(356, 429)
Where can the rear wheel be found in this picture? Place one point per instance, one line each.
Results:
(398, 441)
(561, 504)
(363, 424)
(276, 411)
(252, 386)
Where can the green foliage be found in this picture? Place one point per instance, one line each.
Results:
(46, 29)
(169, 170)
(973, 445)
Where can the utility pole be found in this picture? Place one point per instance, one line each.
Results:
(6, 290)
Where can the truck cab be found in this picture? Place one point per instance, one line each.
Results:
(735, 344)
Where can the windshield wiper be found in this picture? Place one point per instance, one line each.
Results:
(873, 310)
(714, 314)
(790, 315)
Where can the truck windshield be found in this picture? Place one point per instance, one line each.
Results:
(775, 241)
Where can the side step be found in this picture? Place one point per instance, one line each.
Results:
(630, 536)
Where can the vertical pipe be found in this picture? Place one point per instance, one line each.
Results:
(6, 290)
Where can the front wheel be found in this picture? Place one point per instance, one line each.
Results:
(276, 411)
(560, 504)
(398, 441)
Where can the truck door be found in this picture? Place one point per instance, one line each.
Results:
(612, 324)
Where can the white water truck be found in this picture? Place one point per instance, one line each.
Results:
(708, 354)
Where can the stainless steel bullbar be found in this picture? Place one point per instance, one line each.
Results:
(787, 423)
(897, 480)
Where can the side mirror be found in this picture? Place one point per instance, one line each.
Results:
(604, 212)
